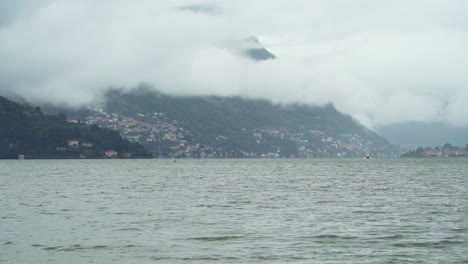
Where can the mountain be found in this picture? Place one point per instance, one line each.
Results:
(416, 134)
(210, 126)
(25, 130)
(250, 48)
(255, 50)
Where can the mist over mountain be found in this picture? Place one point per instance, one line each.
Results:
(382, 63)
(255, 50)
(416, 134)
(227, 127)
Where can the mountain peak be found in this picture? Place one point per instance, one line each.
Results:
(254, 49)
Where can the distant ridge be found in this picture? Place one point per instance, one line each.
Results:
(220, 127)
(417, 134)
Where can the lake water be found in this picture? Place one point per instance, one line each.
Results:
(234, 211)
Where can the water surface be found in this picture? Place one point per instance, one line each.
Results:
(234, 211)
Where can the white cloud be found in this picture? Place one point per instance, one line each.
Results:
(382, 62)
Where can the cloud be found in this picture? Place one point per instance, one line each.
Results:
(203, 9)
(13, 10)
(382, 62)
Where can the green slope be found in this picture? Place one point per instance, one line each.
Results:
(209, 116)
(28, 131)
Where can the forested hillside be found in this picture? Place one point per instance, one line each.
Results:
(211, 126)
(26, 130)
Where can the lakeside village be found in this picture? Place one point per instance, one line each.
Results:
(167, 138)
(75, 149)
(446, 151)
(86, 150)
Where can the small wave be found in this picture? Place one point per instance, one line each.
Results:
(50, 248)
(333, 237)
(218, 238)
(460, 229)
(100, 247)
(9, 243)
(430, 244)
(128, 229)
(327, 201)
(381, 189)
(74, 248)
(368, 212)
(223, 206)
(215, 205)
(208, 258)
(37, 245)
(205, 205)
(240, 202)
(266, 258)
(390, 237)
(297, 258)
(268, 207)
(47, 213)
(200, 258)
(160, 258)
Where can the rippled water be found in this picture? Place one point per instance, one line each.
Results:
(234, 211)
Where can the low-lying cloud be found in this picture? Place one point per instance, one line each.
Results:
(382, 62)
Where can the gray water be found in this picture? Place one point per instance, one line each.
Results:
(234, 211)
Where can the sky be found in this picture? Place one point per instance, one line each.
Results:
(383, 62)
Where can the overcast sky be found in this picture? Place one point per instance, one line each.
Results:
(380, 61)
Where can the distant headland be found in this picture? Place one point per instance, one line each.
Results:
(445, 151)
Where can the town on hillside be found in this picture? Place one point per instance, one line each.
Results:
(168, 138)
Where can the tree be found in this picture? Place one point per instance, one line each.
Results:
(448, 145)
(62, 116)
(420, 150)
(37, 110)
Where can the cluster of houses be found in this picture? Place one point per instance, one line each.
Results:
(87, 150)
(155, 131)
(316, 143)
(142, 128)
(441, 152)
